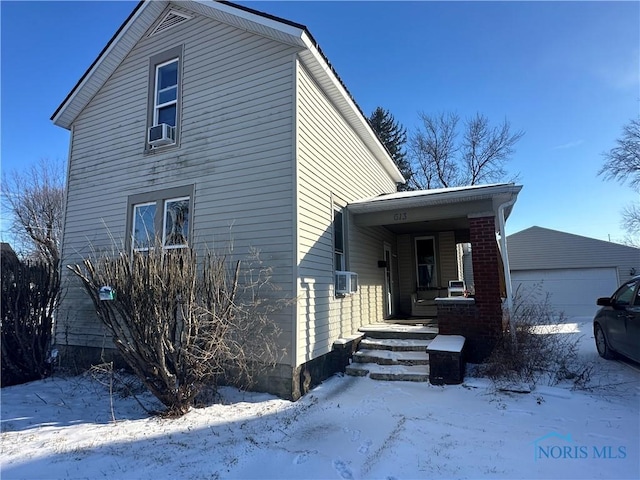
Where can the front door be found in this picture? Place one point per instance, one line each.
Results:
(388, 282)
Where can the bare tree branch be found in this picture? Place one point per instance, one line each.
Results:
(485, 150)
(441, 161)
(622, 162)
(434, 148)
(631, 219)
(35, 199)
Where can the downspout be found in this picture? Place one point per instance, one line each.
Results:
(505, 264)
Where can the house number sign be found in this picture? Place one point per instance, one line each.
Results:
(399, 216)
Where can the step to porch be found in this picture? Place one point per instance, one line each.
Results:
(390, 357)
(395, 344)
(393, 352)
(417, 373)
(397, 331)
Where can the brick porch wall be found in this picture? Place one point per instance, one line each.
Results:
(479, 322)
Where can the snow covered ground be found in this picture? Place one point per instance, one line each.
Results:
(347, 427)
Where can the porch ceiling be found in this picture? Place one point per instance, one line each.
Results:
(433, 210)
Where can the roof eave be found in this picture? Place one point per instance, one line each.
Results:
(500, 194)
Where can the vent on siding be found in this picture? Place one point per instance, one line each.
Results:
(171, 19)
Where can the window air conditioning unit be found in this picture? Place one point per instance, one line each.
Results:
(456, 288)
(163, 134)
(346, 283)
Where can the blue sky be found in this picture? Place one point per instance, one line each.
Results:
(568, 74)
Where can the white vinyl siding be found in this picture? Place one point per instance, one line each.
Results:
(235, 148)
(406, 282)
(447, 259)
(334, 162)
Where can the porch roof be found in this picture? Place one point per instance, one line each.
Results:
(442, 208)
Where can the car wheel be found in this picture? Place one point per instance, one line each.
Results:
(601, 343)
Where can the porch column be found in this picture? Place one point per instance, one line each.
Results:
(486, 279)
(479, 319)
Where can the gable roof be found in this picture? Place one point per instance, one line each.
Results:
(147, 12)
(542, 248)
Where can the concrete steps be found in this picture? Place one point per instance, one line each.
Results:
(401, 332)
(390, 357)
(393, 352)
(396, 345)
(390, 372)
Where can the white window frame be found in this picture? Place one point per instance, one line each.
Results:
(336, 252)
(156, 92)
(133, 227)
(164, 223)
(160, 199)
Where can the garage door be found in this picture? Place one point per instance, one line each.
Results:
(572, 291)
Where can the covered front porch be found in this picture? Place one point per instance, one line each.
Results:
(449, 266)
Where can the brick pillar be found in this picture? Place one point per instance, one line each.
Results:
(486, 279)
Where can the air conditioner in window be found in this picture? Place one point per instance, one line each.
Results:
(346, 283)
(163, 134)
(456, 288)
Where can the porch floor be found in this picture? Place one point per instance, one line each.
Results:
(412, 320)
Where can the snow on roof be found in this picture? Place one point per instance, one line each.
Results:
(498, 193)
(433, 192)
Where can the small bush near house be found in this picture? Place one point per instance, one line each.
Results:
(29, 294)
(539, 349)
(183, 325)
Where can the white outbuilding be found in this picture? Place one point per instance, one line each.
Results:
(571, 269)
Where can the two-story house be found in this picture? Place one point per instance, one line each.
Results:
(202, 122)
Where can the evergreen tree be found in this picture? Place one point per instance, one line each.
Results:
(393, 136)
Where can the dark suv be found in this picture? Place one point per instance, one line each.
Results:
(616, 326)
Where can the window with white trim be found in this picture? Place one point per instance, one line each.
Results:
(338, 240)
(426, 267)
(143, 232)
(175, 231)
(164, 102)
(160, 218)
(165, 105)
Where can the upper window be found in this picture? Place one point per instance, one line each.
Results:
(163, 122)
(161, 218)
(165, 106)
(338, 240)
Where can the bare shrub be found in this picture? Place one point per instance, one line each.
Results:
(29, 295)
(183, 325)
(540, 351)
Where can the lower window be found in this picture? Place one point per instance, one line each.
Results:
(175, 232)
(161, 218)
